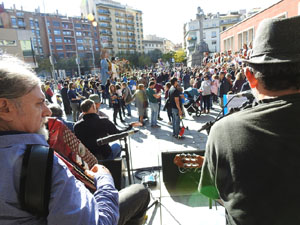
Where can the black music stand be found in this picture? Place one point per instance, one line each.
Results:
(127, 157)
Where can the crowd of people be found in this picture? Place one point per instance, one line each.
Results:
(148, 89)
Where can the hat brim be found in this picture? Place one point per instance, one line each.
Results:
(274, 59)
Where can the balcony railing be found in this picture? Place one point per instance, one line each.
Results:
(106, 12)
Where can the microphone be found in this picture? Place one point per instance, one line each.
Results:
(248, 94)
(114, 137)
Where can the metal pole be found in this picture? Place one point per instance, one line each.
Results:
(92, 52)
(77, 57)
(50, 49)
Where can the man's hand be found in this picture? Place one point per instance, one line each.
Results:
(180, 113)
(97, 169)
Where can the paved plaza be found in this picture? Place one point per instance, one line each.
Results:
(185, 206)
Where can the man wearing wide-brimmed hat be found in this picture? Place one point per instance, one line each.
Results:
(252, 156)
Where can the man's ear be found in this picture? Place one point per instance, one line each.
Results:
(251, 78)
(6, 109)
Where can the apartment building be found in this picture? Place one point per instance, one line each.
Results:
(243, 32)
(32, 21)
(54, 34)
(71, 36)
(120, 26)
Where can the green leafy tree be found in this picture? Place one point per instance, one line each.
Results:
(155, 55)
(43, 65)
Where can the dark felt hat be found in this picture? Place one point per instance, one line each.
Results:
(277, 41)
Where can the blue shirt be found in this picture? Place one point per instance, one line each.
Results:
(70, 202)
(103, 71)
(72, 94)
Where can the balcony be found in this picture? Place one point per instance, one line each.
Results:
(120, 15)
(225, 22)
(105, 12)
(105, 26)
(106, 32)
(129, 16)
(104, 19)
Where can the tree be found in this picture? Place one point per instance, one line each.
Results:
(167, 57)
(155, 55)
(43, 65)
(180, 56)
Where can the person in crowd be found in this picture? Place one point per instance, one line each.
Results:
(127, 96)
(97, 101)
(168, 106)
(58, 113)
(74, 99)
(224, 87)
(65, 99)
(153, 102)
(48, 91)
(206, 92)
(141, 102)
(120, 98)
(115, 103)
(174, 96)
(23, 114)
(158, 88)
(92, 127)
(104, 72)
(252, 156)
(215, 87)
(238, 83)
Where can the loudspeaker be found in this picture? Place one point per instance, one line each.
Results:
(115, 168)
(172, 177)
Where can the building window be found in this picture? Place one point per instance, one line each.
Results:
(59, 47)
(213, 34)
(33, 32)
(41, 50)
(50, 39)
(39, 41)
(37, 32)
(61, 55)
(67, 33)
(31, 22)
(56, 32)
(56, 23)
(58, 40)
(78, 33)
(78, 25)
(80, 47)
(13, 21)
(79, 40)
(19, 14)
(213, 42)
(36, 23)
(97, 49)
(49, 31)
(69, 47)
(96, 42)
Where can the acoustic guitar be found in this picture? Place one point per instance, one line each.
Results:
(188, 161)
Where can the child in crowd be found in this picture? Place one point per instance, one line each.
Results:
(115, 103)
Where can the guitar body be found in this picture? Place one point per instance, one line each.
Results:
(188, 161)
